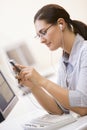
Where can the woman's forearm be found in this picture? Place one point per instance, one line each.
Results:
(62, 95)
(46, 100)
(59, 93)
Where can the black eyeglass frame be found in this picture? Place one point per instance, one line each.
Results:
(44, 32)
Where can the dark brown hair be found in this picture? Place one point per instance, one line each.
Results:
(51, 12)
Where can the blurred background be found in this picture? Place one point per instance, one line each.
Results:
(17, 30)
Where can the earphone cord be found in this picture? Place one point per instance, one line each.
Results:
(51, 57)
(29, 95)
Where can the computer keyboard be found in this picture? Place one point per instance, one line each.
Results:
(49, 122)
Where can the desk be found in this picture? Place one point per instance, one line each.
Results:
(26, 110)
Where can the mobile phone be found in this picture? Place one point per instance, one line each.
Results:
(13, 64)
(24, 89)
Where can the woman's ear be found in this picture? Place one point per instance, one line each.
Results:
(61, 23)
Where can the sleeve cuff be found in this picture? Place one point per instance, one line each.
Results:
(76, 99)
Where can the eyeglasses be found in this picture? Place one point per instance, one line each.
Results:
(43, 32)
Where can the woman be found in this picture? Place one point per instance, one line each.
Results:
(55, 29)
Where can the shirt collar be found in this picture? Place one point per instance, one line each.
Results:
(75, 51)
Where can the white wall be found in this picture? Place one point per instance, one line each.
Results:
(16, 23)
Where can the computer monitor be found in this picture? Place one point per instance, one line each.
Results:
(8, 97)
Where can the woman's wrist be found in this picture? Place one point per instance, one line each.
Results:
(43, 82)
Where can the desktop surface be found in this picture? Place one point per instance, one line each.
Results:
(25, 110)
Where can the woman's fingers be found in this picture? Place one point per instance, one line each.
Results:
(28, 73)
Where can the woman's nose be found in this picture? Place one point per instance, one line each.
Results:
(42, 39)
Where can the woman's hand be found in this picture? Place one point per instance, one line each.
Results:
(24, 82)
(29, 76)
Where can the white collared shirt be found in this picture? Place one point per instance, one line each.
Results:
(74, 75)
